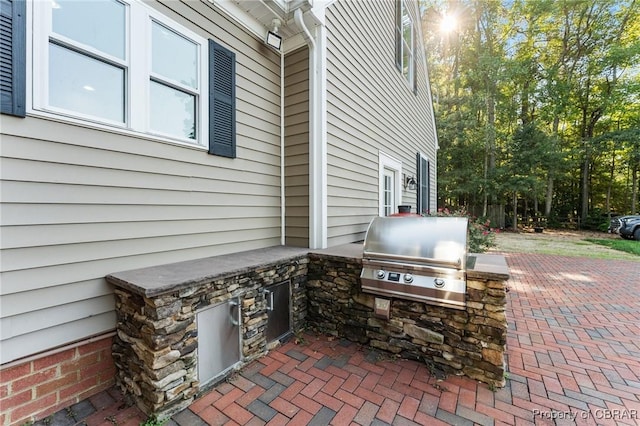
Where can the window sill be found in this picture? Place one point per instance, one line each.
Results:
(58, 118)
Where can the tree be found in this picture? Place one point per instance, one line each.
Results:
(543, 91)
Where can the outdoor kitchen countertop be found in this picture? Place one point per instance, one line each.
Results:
(158, 280)
(489, 266)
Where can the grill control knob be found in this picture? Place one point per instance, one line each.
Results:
(381, 274)
(408, 278)
(439, 282)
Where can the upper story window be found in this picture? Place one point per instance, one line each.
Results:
(120, 63)
(405, 43)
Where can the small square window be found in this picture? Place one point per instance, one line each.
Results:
(85, 85)
(96, 24)
(173, 112)
(174, 57)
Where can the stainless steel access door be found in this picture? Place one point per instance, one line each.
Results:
(218, 339)
(278, 310)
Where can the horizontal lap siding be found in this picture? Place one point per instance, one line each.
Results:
(370, 108)
(80, 203)
(297, 148)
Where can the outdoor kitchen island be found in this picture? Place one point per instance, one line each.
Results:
(182, 327)
(176, 322)
(452, 341)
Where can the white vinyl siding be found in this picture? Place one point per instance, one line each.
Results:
(369, 109)
(297, 148)
(79, 203)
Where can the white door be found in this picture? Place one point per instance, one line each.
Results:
(389, 172)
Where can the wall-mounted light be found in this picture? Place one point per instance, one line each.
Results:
(410, 181)
(273, 39)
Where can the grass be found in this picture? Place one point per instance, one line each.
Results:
(562, 243)
(628, 246)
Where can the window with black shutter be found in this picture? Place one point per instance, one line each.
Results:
(222, 101)
(122, 64)
(13, 57)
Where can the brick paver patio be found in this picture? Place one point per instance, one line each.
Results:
(573, 358)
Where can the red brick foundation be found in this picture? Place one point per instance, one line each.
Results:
(41, 386)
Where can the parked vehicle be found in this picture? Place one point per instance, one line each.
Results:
(627, 226)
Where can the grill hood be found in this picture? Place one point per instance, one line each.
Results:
(416, 258)
(438, 241)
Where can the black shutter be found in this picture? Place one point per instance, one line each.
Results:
(13, 42)
(419, 205)
(222, 101)
(424, 184)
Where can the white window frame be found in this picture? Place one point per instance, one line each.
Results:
(409, 75)
(387, 162)
(137, 74)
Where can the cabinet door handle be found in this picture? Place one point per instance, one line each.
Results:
(269, 297)
(235, 320)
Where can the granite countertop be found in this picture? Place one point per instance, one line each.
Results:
(157, 280)
(351, 251)
(489, 266)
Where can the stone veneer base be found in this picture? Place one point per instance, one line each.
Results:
(468, 342)
(155, 349)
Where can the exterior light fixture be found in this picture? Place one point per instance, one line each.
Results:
(273, 39)
(410, 181)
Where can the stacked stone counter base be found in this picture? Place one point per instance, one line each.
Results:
(468, 342)
(156, 347)
(155, 350)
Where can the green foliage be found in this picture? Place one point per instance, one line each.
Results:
(536, 102)
(480, 236)
(153, 421)
(628, 246)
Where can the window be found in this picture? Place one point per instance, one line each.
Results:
(174, 83)
(390, 171)
(120, 63)
(405, 44)
(424, 184)
(388, 197)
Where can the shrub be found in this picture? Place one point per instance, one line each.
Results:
(480, 236)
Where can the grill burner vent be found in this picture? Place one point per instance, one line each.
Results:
(417, 258)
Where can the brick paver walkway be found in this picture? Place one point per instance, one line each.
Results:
(573, 358)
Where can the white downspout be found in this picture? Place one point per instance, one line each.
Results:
(282, 151)
(317, 133)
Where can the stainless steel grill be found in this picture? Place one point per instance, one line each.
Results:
(417, 258)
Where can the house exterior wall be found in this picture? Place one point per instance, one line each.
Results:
(370, 108)
(296, 120)
(79, 203)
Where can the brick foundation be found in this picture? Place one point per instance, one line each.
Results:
(39, 387)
